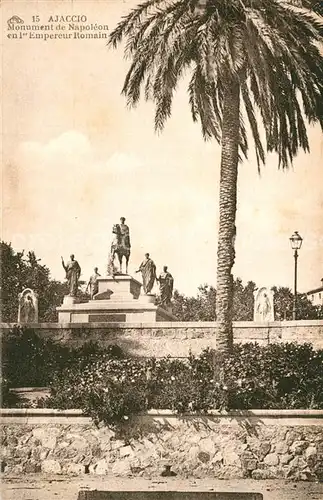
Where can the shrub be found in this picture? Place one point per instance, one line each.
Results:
(109, 390)
(277, 376)
(111, 387)
(30, 361)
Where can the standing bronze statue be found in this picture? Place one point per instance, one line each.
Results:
(166, 285)
(93, 284)
(148, 272)
(73, 272)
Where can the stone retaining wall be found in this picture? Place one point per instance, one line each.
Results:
(177, 339)
(261, 444)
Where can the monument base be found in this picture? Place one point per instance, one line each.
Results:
(119, 301)
(68, 300)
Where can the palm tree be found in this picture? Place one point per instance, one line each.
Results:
(254, 59)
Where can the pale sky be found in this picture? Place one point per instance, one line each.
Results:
(75, 160)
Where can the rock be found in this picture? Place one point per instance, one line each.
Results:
(250, 463)
(51, 467)
(121, 468)
(264, 449)
(11, 441)
(175, 442)
(22, 452)
(311, 451)
(47, 436)
(304, 475)
(101, 467)
(271, 459)
(32, 468)
(75, 469)
(15, 469)
(79, 443)
(63, 444)
(37, 454)
(218, 458)
(297, 463)
(50, 442)
(231, 458)
(147, 443)
(285, 459)
(262, 474)
(229, 473)
(203, 457)
(43, 455)
(281, 448)
(126, 451)
(298, 447)
(24, 439)
(247, 454)
(117, 443)
(292, 436)
(193, 453)
(147, 459)
(207, 446)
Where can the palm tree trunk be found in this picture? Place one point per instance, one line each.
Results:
(228, 207)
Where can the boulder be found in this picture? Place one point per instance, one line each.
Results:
(51, 467)
(311, 451)
(207, 446)
(262, 474)
(101, 467)
(281, 448)
(264, 449)
(231, 458)
(126, 451)
(121, 468)
(297, 447)
(271, 459)
(285, 459)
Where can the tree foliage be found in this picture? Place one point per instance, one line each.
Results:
(283, 305)
(270, 48)
(203, 306)
(20, 270)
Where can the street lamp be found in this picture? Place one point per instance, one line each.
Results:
(296, 242)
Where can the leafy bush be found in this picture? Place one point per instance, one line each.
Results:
(111, 387)
(277, 376)
(7, 398)
(108, 390)
(31, 361)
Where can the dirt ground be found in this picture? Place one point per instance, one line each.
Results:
(45, 487)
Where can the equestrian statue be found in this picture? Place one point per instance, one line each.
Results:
(120, 246)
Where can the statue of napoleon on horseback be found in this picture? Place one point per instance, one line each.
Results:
(120, 246)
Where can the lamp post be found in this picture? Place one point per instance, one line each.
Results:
(296, 242)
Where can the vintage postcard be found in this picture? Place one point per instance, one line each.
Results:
(162, 163)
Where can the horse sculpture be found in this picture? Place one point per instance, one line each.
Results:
(121, 247)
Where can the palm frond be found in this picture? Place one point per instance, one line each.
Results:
(270, 47)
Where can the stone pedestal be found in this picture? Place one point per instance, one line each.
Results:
(118, 300)
(118, 288)
(68, 300)
(148, 298)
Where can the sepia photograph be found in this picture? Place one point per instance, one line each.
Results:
(161, 250)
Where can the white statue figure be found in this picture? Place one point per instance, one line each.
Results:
(264, 305)
(28, 307)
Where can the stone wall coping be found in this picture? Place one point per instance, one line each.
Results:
(29, 389)
(48, 412)
(167, 324)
